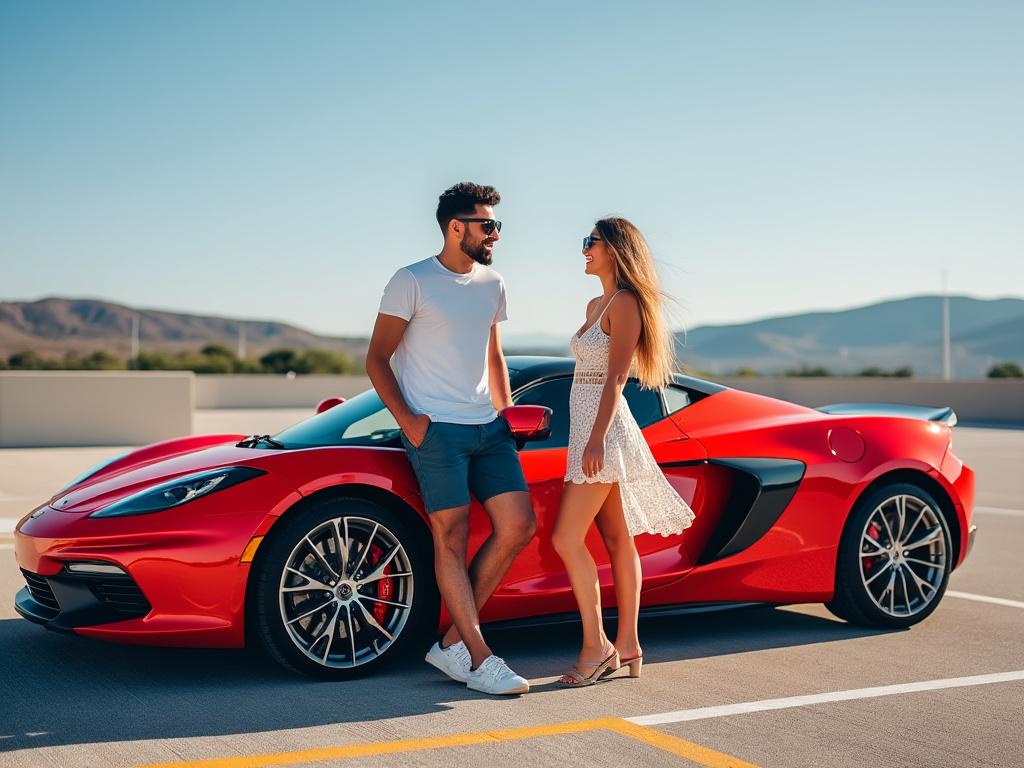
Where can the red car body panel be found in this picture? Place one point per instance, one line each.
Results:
(187, 560)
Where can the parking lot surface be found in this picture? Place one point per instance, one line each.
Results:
(764, 686)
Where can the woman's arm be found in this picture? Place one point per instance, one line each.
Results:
(624, 327)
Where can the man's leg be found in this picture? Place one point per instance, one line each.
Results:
(450, 528)
(513, 526)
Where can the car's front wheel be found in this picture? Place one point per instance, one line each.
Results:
(894, 558)
(342, 587)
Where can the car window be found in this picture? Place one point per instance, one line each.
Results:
(363, 420)
(675, 399)
(644, 404)
(555, 395)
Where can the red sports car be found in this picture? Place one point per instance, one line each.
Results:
(314, 542)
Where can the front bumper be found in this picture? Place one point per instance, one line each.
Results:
(65, 601)
(182, 586)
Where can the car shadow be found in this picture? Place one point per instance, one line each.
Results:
(63, 690)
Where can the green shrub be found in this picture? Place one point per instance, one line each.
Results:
(1006, 371)
(808, 370)
(279, 360)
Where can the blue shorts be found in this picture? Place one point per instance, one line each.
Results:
(455, 459)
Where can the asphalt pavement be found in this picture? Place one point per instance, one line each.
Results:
(790, 686)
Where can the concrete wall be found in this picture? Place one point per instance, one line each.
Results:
(995, 400)
(984, 400)
(266, 391)
(68, 408)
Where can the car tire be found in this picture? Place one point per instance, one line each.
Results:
(361, 627)
(875, 585)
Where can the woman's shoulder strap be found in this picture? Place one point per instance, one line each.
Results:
(610, 302)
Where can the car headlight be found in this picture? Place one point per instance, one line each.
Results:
(89, 473)
(178, 491)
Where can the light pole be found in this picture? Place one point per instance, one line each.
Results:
(947, 367)
(241, 340)
(134, 361)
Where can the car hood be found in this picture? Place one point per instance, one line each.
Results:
(106, 490)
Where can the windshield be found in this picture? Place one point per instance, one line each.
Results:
(363, 420)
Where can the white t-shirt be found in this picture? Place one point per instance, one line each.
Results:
(441, 361)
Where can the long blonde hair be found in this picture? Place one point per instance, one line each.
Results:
(634, 270)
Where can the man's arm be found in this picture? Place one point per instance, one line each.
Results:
(501, 389)
(387, 333)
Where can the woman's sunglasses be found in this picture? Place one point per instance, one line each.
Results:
(488, 225)
(589, 240)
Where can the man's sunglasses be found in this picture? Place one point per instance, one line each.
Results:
(589, 240)
(488, 225)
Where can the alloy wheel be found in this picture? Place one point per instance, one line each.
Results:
(346, 591)
(903, 555)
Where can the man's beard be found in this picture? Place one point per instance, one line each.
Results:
(476, 251)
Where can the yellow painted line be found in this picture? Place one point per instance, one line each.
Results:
(387, 747)
(676, 746)
(697, 753)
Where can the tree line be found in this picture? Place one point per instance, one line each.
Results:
(217, 358)
(213, 358)
(998, 371)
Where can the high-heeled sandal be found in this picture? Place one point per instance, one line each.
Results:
(574, 678)
(635, 665)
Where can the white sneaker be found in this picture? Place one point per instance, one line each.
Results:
(454, 660)
(494, 676)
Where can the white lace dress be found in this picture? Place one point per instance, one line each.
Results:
(650, 504)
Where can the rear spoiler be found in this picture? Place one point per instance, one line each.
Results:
(944, 414)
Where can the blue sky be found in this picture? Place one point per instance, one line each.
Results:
(281, 160)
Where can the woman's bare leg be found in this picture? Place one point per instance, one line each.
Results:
(611, 522)
(580, 504)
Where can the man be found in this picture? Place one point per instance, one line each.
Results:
(439, 318)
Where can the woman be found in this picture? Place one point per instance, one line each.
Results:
(611, 475)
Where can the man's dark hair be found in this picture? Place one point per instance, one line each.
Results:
(462, 199)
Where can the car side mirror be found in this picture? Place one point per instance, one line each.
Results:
(328, 403)
(528, 422)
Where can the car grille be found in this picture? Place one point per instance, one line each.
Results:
(121, 594)
(39, 587)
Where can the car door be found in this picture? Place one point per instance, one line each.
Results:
(538, 573)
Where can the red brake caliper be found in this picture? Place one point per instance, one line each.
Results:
(874, 531)
(385, 588)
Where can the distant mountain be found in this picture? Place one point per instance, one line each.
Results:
(889, 334)
(54, 326)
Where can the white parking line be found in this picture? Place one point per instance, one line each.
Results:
(985, 598)
(1000, 511)
(704, 713)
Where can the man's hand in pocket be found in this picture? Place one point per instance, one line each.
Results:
(416, 429)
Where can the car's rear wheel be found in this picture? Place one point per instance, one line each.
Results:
(343, 587)
(894, 558)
